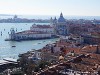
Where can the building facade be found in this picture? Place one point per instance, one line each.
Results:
(42, 28)
(60, 25)
(35, 32)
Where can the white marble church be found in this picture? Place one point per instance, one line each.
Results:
(60, 25)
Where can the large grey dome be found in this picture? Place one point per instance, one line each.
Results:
(61, 18)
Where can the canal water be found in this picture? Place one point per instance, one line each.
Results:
(6, 49)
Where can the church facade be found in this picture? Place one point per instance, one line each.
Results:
(60, 25)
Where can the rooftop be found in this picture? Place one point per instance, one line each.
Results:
(41, 26)
(27, 32)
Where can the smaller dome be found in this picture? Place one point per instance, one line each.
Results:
(55, 20)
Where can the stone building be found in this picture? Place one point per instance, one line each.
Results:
(60, 25)
(35, 32)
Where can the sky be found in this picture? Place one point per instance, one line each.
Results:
(51, 7)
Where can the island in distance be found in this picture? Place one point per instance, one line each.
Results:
(16, 19)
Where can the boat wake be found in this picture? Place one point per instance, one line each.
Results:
(35, 43)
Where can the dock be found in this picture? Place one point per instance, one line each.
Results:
(10, 60)
(7, 63)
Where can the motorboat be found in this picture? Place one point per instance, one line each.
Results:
(13, 46)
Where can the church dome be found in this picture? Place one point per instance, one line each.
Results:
(61, 18)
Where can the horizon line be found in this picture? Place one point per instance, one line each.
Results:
(45, 15)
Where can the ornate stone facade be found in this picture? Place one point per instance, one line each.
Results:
(60, 25)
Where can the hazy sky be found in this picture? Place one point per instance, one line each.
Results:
(51, 7)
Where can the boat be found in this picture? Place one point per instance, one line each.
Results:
(13, 46)
(39, 43)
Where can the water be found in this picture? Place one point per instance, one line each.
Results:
(6, 49)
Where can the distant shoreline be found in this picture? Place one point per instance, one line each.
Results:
(47, 17)
(24, 22)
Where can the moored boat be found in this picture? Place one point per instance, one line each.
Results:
(13, 46)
